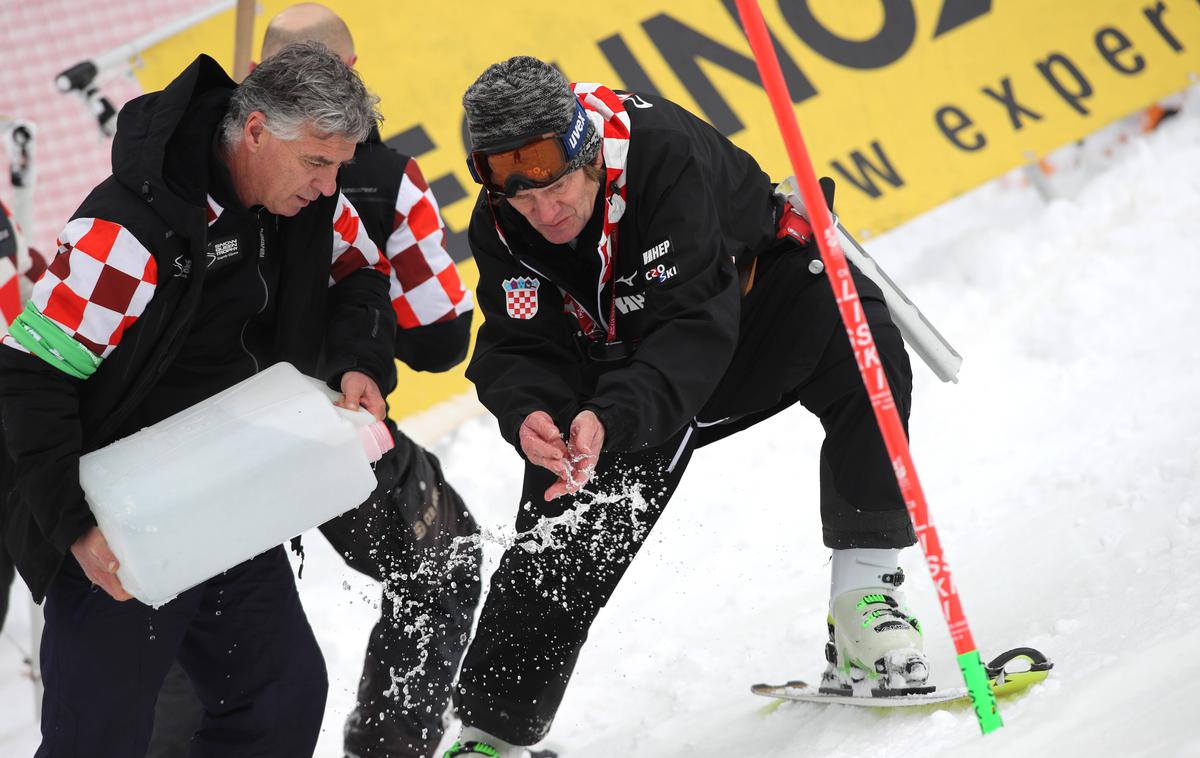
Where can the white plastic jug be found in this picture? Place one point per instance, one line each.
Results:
(234, 475)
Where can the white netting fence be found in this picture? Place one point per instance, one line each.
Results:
(39, 39)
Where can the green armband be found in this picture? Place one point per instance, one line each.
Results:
(46, 339)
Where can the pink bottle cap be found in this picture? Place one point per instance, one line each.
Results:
(376, 440)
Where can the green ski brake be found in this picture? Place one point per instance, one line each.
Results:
(1005, 682)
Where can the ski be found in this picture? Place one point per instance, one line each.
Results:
(1031, 667)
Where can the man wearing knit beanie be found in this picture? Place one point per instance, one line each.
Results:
(646, 292)
(523, 96)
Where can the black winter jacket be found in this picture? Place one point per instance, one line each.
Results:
(157, 193)
(696, 204)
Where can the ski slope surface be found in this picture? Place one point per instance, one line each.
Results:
(1062, 471)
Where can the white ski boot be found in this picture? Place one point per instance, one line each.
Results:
(875, 645)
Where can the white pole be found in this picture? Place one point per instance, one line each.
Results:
(120, 56)
(19, 139)
(1037, 178)
(80, 78)
(920, 335)
(243, 38)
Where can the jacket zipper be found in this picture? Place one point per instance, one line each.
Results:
(578, 302)
(262, 253)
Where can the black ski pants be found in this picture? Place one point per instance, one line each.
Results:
(420, 542)
(242, 637)
(572, 553)
(415, 537)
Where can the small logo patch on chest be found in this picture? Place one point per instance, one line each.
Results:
(656, 252)
(630, 303)
(221, 251)
(521, 297)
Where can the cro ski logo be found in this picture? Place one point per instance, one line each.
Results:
(661, 273)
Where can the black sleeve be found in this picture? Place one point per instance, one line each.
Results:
(40, 408)
(520, 365)
(360, 329)
(693, 316)
(435, 347)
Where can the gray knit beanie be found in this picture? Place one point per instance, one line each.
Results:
(523, 96)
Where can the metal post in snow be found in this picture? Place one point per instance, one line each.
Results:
(243, 38)
(867, 356)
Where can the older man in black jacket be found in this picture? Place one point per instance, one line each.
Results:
(219, 246)
(412, 535)
(645, 291)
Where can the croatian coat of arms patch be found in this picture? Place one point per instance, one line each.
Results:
(521, 296)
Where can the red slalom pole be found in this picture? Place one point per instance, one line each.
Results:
(867, 356)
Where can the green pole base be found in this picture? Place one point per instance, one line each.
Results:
(980, 689)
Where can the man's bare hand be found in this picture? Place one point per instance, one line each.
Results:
(583, 453)
(543, 445)
(98, 563)
(358, 389)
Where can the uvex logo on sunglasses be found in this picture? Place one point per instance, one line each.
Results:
(577, 129)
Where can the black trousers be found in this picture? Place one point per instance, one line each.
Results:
(241, 636)
(416, 537)
(420, 542)
(548, 588)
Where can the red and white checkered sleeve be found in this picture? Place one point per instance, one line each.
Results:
(426, 287)
(97, 286)
(352, 248)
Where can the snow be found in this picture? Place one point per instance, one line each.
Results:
(1062, 471)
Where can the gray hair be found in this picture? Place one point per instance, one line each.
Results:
(304, 83)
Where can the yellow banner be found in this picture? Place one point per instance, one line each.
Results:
(906, 103)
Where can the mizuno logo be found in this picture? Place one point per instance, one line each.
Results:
(637, 101)
(627, 280)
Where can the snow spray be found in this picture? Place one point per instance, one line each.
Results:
(867, 356)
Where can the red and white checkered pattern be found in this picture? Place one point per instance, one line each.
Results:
(352, 248)
(521, 304)
(426, 287)
(607, 113)
(98, 285)
(10, 280)
(10, 292)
